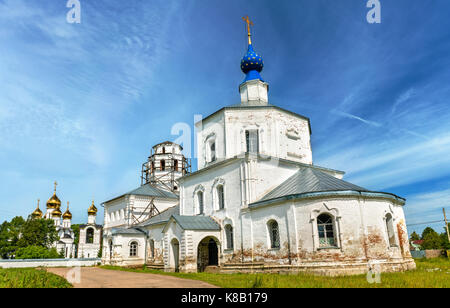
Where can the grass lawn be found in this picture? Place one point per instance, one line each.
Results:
(31, 278)
(431, 273)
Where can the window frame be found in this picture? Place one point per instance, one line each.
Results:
(248, 147)
(274, 238)
(390, 230)
(328, 226)
(220, 191)
(200, 202)
(134, 249)
(229, 237)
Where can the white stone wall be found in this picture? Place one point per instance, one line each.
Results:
(281, 134)
(359, 228)
(254, 91)
(48, 263)
(155, 233)
(121, 250)
(115, 211)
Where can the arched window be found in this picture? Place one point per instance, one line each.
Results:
(163, 165)
(229, 236)
(390, 230)
(326, 231)
(89, 236)
(274, 234)
(220, 197)
(201, 207)
(212, 151)
(133, 249)
(152, 249)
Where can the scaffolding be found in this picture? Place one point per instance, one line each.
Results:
(150, 211)
(163, 169)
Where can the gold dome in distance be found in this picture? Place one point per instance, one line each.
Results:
(92, 209)
(56, 212)
(67, 214)
(37, 214)
(54, 201)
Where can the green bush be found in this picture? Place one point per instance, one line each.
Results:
(31, 278)
(37, 252)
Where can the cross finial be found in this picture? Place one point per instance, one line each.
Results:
(56, 183)
(38, 202)
(67, 204)
(249, 23)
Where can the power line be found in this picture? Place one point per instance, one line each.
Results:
(424, 223)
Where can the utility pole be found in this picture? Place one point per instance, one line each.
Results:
(446, 224)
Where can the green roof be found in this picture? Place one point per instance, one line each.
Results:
(308, 180)
(162, 217)
(311, 182)
(126, 231)
(149, 190)
(197, 223)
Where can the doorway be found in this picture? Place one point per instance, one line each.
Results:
(176, 254)
(207, 254)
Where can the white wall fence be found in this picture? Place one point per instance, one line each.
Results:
(49, 263)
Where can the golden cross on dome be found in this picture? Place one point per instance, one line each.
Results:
(38, 202)
(56, 183)
(249, 23)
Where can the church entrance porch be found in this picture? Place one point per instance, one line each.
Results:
(208, 253)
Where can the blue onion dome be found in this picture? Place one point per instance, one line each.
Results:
(252, 64)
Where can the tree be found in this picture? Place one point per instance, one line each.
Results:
(427, 231)
(10, 233)
(38, 232)
(444, 241)
(37, 252)
(414, 236)
(431, 240)
(76, 231)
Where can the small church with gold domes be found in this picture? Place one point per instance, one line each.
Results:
(63, 224)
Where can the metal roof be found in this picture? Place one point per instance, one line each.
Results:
(163, 217)
(196, 223)
(308, 180)
(126, 231)
(148, 190)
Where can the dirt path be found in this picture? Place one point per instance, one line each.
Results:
(93, 277)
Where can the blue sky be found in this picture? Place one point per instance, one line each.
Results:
(83, 103)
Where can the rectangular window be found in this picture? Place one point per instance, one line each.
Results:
(200, 202)
(213, 151)
(252, 140)
(220, 197)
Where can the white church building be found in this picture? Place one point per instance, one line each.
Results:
(256, 202)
